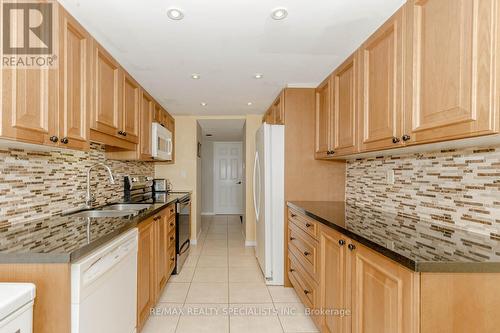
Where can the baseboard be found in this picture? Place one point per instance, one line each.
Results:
(250, 243)
(195, 241)
(207, 213)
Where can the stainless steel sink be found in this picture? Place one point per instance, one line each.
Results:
(129, 207)
(104, 213)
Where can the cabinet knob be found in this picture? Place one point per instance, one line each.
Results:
(292, 238)
(120, 132)
(395, 140)
(124, 133)
(293, 215)
(351, 247)
(306, 291)
(341, 242)
(406, 137)
(171, 237)
(171, 224)
(292, 270)
(306, 253)
(54, 138)
(64, 140)
(308, 225)
(156, 218)
(172, 258)
(330, 152)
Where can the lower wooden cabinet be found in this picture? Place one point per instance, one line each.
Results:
(155, 260)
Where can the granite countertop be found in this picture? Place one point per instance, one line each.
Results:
(417, 244)
(66, 239)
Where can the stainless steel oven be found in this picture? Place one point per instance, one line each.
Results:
(182, 231)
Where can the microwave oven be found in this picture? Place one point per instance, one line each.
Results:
(161, 145)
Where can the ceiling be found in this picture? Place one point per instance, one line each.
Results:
(227, 42)
(222, 129)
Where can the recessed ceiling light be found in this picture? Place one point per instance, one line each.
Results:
(279, 13)
(249, 103)
(258, 76)
(175, 14)
(195, 76)
(203, 104)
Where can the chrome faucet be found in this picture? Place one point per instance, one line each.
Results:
(89, 199)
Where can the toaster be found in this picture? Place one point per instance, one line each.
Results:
(162, 185)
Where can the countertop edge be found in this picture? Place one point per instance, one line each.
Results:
(418, 267)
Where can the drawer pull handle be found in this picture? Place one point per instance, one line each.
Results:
(292, 238)
(351, 247)
(306, 253)
(341, 242)
(293, 215)
(306, 291)
(308, 225)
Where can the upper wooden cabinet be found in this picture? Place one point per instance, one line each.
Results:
(344, 135)
(50, 106)
(131, 108)
(147, 107)
(380, 86)
(75, 73)
(426, 75)
(276, 112)
(324, 117)
(450, 69)
(108, 103)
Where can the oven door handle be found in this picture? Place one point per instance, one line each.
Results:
(182, 250)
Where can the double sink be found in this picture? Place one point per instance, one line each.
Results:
(113, 210)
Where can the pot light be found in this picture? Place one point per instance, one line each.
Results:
(279, 14)
(195, 76)
(175, 14)
(249, 103)
(203, 104)
(258, 76)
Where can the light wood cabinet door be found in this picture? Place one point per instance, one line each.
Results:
(380, 86)
(131, 109)
(146, 257)
(29, 106)
(345, 124)
(107, 114)
(324, 125)
(162, 260)
(75, 77)
(333, 274)
(450, 69)
(147, 105)
(384, 293)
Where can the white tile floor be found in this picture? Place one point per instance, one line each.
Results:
(221, 289)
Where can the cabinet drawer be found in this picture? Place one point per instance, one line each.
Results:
(303, 222)
(171, 224)
(306, 288)
(169, 212)
(305, 250)
(171, 259)
(171, 238)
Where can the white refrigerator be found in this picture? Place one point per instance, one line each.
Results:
(268, 198)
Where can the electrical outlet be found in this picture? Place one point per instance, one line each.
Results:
(389, 177)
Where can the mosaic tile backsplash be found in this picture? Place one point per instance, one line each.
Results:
(39, 184)
(453, 188)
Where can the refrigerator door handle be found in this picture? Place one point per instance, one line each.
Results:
(256, 168)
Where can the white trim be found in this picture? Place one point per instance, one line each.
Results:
(207, 213)
(195, 241)
(302, 85)
(250, 243)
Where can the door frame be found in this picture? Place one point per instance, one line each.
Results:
(214, 177)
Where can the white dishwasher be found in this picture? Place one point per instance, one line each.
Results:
(104, 288)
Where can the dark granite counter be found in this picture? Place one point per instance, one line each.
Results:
(419, 245)
(65, 239)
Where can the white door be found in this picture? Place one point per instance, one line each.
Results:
(228, 178)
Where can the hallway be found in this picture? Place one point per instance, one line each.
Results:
(221, 289)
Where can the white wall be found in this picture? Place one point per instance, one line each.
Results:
(207, 177)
